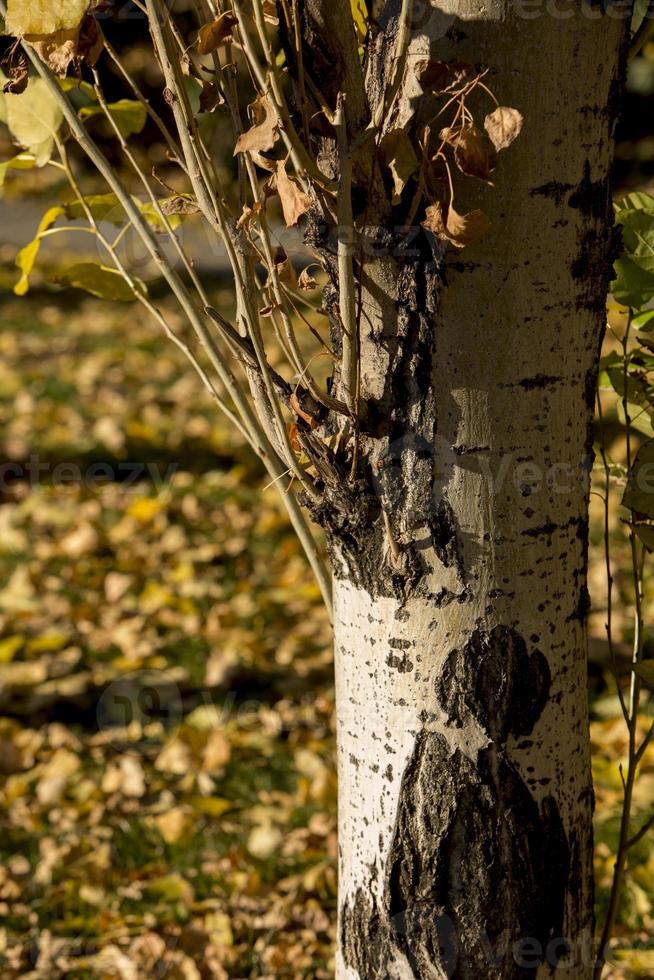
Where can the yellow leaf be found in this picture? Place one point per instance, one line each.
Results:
(145, 509)
(10, 647)
(172, 824)
(27, 256)
(360, 16)
(264, 841)
(43, 16)
(33, 118)
(212, 806)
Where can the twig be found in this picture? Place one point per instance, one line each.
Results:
(634, 701)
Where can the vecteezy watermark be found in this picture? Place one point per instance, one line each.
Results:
(142, 697)
(567, 9)
(37, 472)
(436, 930)
(500, 473)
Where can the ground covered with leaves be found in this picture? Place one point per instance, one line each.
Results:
(168, 794)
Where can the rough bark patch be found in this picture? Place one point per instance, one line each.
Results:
(477, 873)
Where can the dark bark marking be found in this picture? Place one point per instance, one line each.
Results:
(590, 196)
(496, 681)
(400, 663)
(535, 382)
(474, 867)
(553, 189)
(444, 530)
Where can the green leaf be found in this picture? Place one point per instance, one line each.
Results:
(633, 284)
(636, 201)
(129, 115)
(638, 391)
(645, 670)
(639, 494)
(99, 280)
(72, 85)
(646, 534)
(27, 256)
(639, 419)
(24, 161)
(644, 321)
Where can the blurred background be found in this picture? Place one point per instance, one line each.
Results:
(167, 784)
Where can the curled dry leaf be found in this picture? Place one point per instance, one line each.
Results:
(399, 156)
(265, 132)
(284, 267)
(14, 66)
(249, 215)
(57, 50)
(300, 410)
(503, 126)
(295, 202)
(459, 229)
(210, 96)
(306, 281)
(218, 32)
(270, 12)
(180, 204)
(474, 154)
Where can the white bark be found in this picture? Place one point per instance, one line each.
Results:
(465, 788)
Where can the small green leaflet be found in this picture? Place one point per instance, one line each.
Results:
(639, 494)
(633, 285)
(99, 280)
(129, 116)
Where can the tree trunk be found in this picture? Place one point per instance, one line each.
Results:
(460, 607)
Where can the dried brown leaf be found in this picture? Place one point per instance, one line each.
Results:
(474, 153)
(218, 32)
(249, 215)
(503, 126)
(295, 202)
(180, 204)
(14, 66)
(270, 12)
(265, 132)
(399, 156)
(210, 96)
(306, 281)
(57, 50)
(459, 229)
